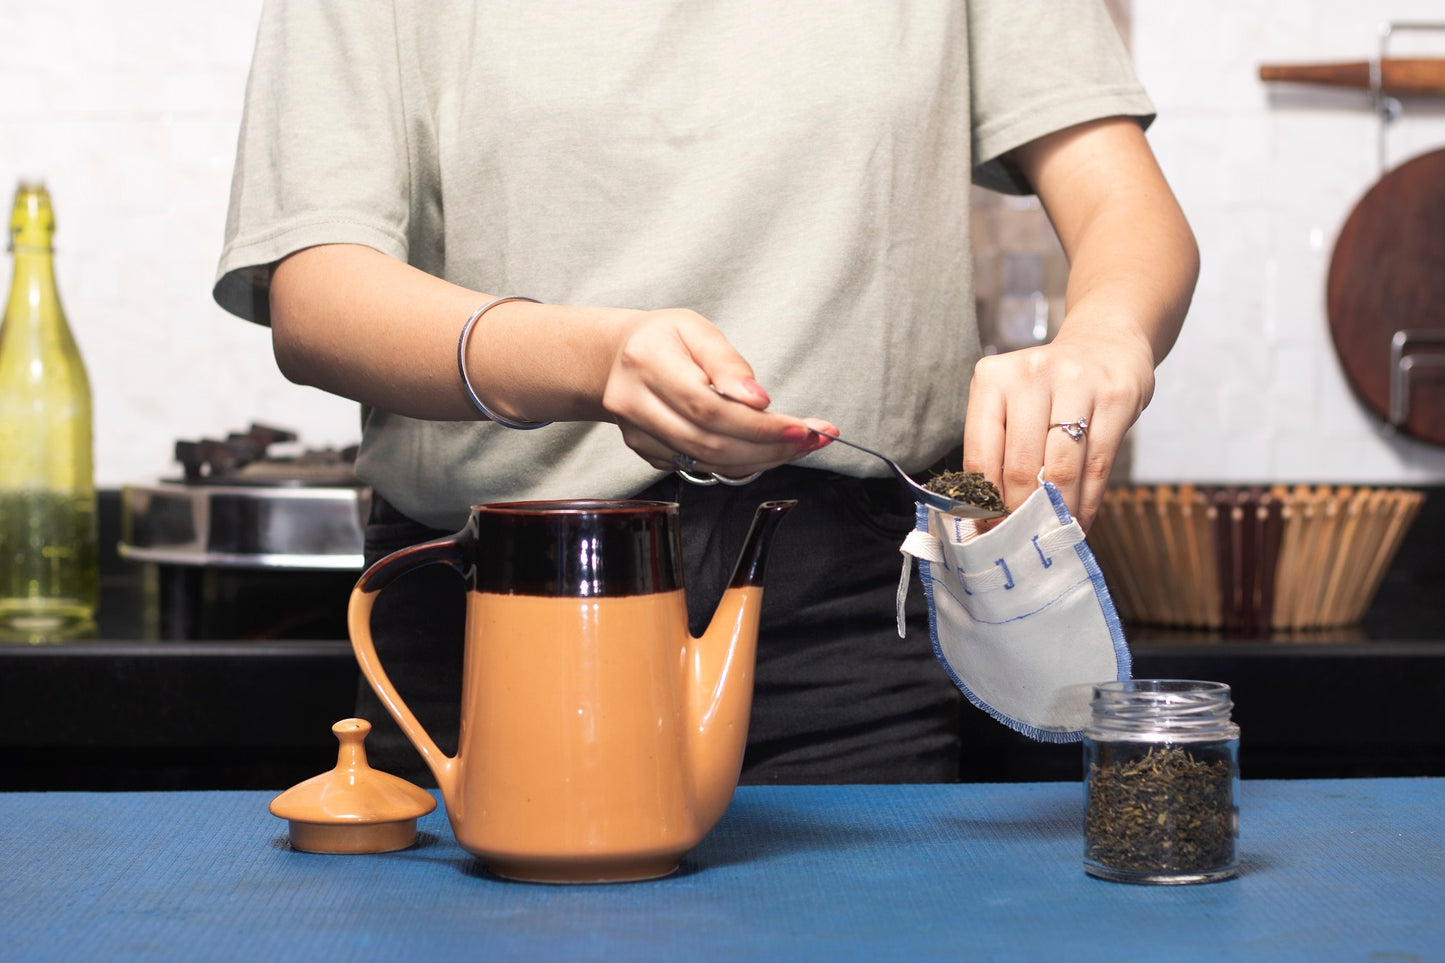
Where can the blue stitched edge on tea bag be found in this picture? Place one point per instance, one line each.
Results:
(1112, 621)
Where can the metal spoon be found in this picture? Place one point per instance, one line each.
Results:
(938, 500)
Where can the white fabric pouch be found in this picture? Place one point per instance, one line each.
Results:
(1020, 616)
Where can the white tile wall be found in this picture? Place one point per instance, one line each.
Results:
(129, 112)
(1267, 174)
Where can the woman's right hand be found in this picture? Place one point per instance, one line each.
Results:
(677, 387)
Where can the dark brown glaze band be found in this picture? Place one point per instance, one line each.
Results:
(581, 548)
(752, 561)
(453, 551)
(574, 549)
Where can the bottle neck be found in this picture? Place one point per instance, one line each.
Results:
(32, 284)
(33, 294)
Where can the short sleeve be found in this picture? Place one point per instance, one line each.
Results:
(321, 157)
(1040, 66)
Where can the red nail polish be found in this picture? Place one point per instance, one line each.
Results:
(755, 389)
(795, 433)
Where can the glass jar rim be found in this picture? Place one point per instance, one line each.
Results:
(1165, 709)
(1162, 686)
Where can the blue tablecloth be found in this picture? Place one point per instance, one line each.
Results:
(1332, 870)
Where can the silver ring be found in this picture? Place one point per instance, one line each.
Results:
(713, 478)
(691, 479)
(684, 462)
(735, 482)
(1074, 429)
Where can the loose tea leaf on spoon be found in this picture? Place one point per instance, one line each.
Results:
(967, 486)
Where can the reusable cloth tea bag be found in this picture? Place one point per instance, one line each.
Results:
(1020, 616)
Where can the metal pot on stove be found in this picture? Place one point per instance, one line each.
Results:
(240, 504)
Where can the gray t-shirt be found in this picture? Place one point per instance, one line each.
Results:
(797, 172)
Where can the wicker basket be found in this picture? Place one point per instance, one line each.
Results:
(1249, 559)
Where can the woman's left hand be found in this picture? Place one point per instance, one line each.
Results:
(1018, 401)
(1132, 267)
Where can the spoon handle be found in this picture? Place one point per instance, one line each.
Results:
(937, 500)
(854, 444)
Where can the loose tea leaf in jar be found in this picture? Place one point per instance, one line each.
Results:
(1168, 811)
(967, 486)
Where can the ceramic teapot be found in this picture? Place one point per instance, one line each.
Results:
(599, 740)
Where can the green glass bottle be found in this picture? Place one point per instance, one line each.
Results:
(49, 558)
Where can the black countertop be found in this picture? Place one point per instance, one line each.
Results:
(207, 680)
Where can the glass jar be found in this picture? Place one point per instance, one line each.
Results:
(1161, 782)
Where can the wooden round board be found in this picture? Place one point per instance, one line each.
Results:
(1387, 275)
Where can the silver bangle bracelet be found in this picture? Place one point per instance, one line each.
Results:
(467, 382)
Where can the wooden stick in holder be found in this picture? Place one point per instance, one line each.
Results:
(1398, 76)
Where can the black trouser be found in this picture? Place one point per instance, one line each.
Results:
(839, 697)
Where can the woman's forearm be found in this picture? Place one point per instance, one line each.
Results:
(1133, 260)
(357, 323)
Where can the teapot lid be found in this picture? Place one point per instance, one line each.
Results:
(353, 808)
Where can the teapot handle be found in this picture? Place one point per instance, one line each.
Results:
(452, 550)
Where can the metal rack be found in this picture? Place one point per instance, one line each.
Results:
(1415, 353)
(1387, 106)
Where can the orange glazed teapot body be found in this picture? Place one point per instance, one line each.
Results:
(599, 740)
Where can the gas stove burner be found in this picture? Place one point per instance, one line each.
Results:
(246, 459)
(241, 505)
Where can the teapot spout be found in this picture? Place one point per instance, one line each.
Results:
(719, 669)
(753, 559)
